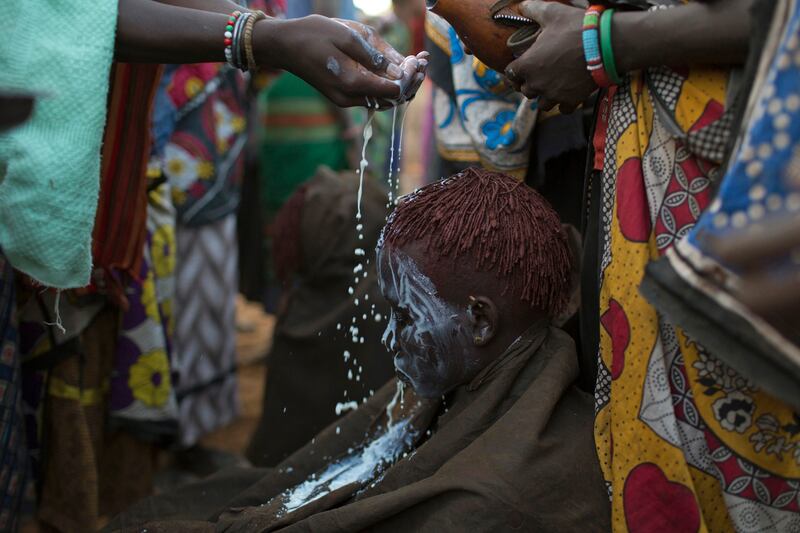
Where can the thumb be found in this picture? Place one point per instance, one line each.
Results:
(538, 10)
(512, 73)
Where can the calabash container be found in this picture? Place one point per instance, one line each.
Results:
(495, 32)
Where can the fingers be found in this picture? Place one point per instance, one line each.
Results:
(537, 10)
(370, 50)
(356, 86)
(512, 75)
(355, 83)
(414, 87)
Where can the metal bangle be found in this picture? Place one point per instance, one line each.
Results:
(237, 39)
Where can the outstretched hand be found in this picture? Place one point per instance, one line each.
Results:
(346, 61)
(553, 68)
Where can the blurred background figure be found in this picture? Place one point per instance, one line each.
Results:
(327, 356)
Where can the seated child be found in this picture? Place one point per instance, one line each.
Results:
(484, 429)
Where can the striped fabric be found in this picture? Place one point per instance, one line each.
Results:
(120, 223)
(299, 130)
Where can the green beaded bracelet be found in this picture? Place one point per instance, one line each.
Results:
(606, 48)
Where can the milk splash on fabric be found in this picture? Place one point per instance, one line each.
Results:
(361, 466)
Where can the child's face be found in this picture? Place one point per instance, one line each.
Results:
(427, 335)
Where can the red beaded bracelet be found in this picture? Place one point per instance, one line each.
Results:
(228, 41)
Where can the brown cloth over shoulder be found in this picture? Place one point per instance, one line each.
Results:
(513, 451)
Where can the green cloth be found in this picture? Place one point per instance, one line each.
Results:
(50, 167)
(300, 131)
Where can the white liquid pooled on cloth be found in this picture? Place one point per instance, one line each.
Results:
(361, 466)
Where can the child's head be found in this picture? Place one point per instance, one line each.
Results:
(468, 264)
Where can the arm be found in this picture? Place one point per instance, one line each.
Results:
(714, 33)
(346, 61)
(155, 32)
(215, 6)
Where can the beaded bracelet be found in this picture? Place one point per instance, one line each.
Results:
(232, 19)
(248, 39)
(606, 48)
(591, 46)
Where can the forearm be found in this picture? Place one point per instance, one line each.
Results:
(714, 33)
(215, 6)
(152, 32)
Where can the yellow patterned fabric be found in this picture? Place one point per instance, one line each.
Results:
(685, 443)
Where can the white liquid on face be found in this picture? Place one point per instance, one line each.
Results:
(430, 335)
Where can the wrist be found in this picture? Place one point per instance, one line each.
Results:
(269, 43)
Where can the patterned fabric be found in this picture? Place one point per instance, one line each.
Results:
(202, 161)
(87, 472)
(16, 487)
(486, 121)
(763, 186)
(203, 158)
(674, 424)
(205, 335)
(142, 398)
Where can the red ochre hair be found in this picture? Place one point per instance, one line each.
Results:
(503, 225)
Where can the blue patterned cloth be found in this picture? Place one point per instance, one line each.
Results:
(763, 182)
(479, 118)
(697, 289)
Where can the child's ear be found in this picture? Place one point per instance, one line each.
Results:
(483, 316)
